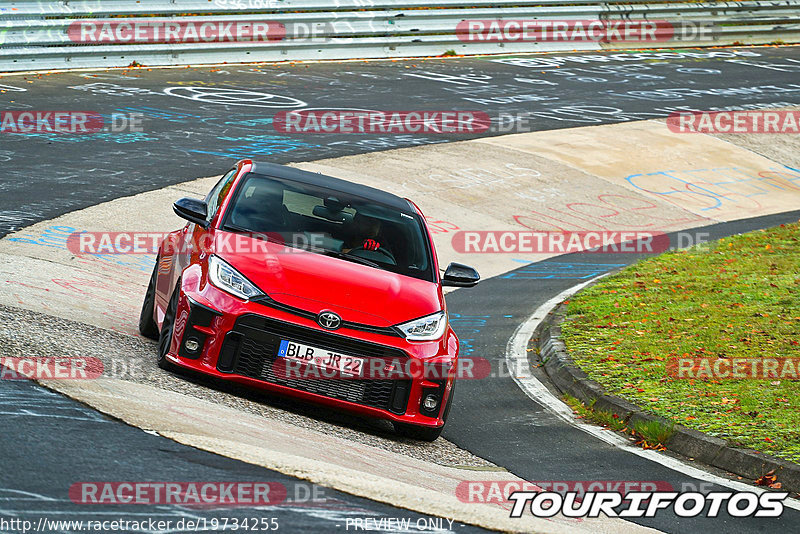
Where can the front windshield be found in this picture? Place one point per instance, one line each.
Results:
(329, 222)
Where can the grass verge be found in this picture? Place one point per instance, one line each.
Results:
(736, 298)
(647, 434)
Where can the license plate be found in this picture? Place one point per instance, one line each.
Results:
(325, 359)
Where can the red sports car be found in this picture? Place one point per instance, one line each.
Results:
(313, 287)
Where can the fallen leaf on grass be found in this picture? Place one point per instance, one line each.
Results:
(647, 446)
(767, 479)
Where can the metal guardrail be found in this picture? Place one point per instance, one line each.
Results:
(45, 35)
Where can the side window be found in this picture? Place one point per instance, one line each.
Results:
(214, 198)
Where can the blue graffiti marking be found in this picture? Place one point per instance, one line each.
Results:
(257, 144)
(467, 324)
(57, 236)
(560, 270)
(711, 187)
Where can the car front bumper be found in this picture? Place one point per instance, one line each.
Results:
(237, 341)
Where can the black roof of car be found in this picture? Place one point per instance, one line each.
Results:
(336, 184)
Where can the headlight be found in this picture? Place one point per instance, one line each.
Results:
(426, 328)
(229, 279)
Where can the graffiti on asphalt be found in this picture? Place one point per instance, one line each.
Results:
(545, 270)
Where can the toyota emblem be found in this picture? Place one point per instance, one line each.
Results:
(329, 320)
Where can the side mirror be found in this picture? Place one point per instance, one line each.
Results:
(193, 210)
(459, 275)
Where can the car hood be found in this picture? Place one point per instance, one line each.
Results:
(315, 282)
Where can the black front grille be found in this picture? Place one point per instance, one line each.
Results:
(251, 348)
(267, 301)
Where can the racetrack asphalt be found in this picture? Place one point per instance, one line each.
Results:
(198, 121)
(45, 175)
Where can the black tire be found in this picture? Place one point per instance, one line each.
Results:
(147, 325)
(419, 433)
(424, 433)
(167, 327)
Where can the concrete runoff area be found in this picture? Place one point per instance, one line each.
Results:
(573, 179)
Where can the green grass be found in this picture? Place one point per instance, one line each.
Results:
(648, 434)
(600, 417)
(735, 298)
(654, 432)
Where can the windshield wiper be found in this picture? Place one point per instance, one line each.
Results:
(228, 227)
(350, 257)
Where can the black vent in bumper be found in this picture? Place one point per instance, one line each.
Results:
(251, 347)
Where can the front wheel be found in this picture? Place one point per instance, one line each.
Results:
(147, 325)
(167, 328)
(420, 433)
(425, 433)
